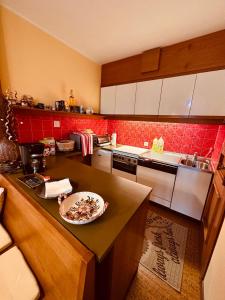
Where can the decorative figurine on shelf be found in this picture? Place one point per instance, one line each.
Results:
(27, 100)
(89, 110)
(8, 148)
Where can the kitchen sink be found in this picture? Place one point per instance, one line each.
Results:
(201, 164)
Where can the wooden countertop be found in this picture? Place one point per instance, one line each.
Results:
(124, 198)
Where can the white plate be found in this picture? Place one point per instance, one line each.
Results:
(75, 199)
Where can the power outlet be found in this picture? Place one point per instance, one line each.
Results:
(146, 144)
(57, 124)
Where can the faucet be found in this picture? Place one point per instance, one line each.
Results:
(194, 159)
(209, 152)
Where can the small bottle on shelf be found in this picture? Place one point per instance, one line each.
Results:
(71, 101)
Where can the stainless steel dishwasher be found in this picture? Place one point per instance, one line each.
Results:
(160, 177)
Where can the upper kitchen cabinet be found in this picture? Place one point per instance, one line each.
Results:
(108, 100)
(125, 99)
(209, 94)
(148, 97)
(177, 93)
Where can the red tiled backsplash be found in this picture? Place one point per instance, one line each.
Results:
(184, 138)
(218, 144)
(32, 128)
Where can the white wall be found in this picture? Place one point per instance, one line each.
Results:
(214, 281)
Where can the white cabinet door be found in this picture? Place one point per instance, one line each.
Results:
(176, 96)
(108, 100)
(162, 183)
(123, 174)
(102, 160)
(148, 97)
(190, 192)
(209, 94)
(125, 99)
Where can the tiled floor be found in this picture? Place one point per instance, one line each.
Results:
(147, 286)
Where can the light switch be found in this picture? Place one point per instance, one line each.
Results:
(56, 123)
(146, 144)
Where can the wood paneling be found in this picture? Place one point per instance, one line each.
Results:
(150, 60)
(201, 54)
(115, 278)
(212, 219)
(64, 268)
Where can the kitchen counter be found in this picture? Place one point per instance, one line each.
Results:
(166, 157)
(89, 258)
(109, 147)
(124, 198)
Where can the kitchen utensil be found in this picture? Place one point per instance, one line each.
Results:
(32, 157)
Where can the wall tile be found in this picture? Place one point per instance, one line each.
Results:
(30, 128)
(220, 139)
(178, 137)
(184, 138)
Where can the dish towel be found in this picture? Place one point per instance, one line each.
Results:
(86, 142)
(56, 188)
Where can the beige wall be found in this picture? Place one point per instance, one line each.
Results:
(214, 285)
(32, 62)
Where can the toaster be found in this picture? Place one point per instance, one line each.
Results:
(98, 140)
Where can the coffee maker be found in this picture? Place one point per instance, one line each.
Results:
(32, 157)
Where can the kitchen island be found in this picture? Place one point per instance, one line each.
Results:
(92, 261)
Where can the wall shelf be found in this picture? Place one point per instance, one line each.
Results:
(32, 110)
(220, 120)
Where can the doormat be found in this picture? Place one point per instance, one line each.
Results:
(164, 249)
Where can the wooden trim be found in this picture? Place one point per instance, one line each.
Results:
(202, 290)
(211, 225)
(36, 111)
(219, 120)
(151, 118)
(205, 53)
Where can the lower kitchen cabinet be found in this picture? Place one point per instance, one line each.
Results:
(123, 174)
(102, 160)
(162, 184)
(190, 192)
